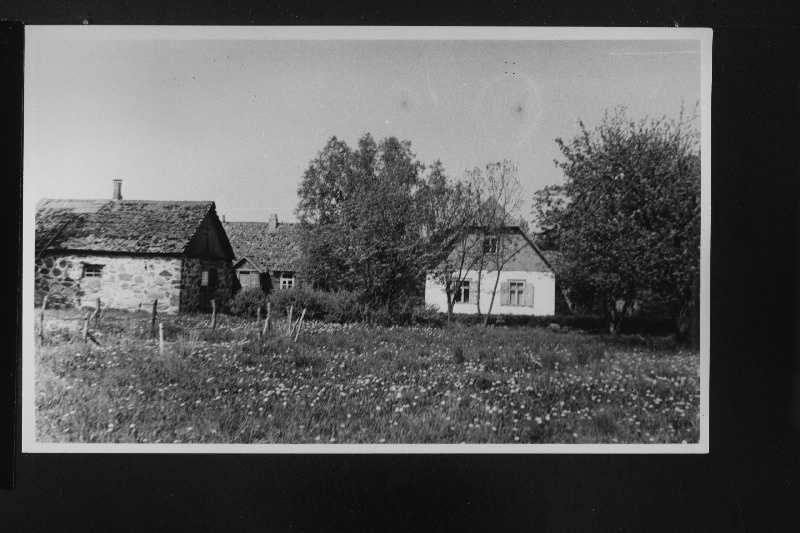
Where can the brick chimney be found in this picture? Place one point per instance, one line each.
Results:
(273, 221)
(117, 190)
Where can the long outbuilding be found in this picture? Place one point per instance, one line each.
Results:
(130, 253)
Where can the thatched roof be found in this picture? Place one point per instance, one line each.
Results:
(122, 226)
(268, 249)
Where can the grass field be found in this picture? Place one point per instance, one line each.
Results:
(358, 384)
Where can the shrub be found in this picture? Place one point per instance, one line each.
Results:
(339, 307)
(426, 315)
(247, 301)
(342, 307)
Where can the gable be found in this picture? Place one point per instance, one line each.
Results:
(526, 255)
(210, 240)
(247, 264)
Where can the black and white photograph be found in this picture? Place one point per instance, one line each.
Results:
(366, 240)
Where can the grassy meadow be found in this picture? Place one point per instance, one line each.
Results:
(355, 383)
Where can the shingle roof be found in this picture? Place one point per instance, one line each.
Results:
(132, 226)
(269, 249)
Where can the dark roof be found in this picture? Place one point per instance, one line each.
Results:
(124, 226)
(268, 249)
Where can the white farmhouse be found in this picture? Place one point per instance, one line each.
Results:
(527, 284)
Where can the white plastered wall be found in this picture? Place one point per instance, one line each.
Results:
(544, 299)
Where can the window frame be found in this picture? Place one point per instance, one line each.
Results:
(286, 281)
(92, 270)
(461, 287)
(516, 288)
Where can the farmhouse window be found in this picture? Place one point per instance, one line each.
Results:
(462, 292)
(287, 280)
(516, 290)
(490, 245)
(204, 278)
(92, 271)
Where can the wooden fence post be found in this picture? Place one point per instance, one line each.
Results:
(85, 328)
(153, 321)
(161, 338)
(97, 314)
(267, 325)
(258, 322)
(213, 314)
(41, 320)
(289, 322)
(299, 323)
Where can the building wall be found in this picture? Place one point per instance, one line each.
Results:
(542, 283)
(193, 296)
(127, 282)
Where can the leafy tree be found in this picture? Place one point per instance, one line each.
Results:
(448, 210)
(627, 219)
(362, 216)
(498, 199)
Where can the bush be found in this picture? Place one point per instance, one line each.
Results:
(342, 307)
(339, 307)
(426, 315)
(247, 301)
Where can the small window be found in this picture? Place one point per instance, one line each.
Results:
(287, 280)
(92, 271)
(462, 292)
(204, 278)
(516, 293)
(490, 245)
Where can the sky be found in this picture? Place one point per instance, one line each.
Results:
(238, 121)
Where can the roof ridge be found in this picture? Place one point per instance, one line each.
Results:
(107, 201)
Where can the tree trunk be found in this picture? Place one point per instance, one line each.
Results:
(450, 303)
(491, 302)
(478, 288)
(613, 316)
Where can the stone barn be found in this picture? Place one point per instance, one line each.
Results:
(129, 253)
(268, 254)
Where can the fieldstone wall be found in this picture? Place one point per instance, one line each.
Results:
(127, 282)
(191, 274)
